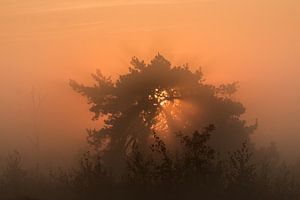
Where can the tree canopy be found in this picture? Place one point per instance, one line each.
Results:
(162, 98)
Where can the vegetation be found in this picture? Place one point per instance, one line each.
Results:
(153, 145)
(194, 171)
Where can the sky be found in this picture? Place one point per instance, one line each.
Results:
(44, 44)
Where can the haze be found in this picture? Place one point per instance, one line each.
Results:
(45, 43)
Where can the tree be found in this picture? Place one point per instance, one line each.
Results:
(162, 98)
(37, 101)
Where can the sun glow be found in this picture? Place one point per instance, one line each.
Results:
(169, 110)
(174, 113)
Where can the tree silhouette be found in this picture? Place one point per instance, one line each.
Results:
(163, 98)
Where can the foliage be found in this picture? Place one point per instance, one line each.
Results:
(159, 97)
(195, 170)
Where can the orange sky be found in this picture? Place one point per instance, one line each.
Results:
(44, 43)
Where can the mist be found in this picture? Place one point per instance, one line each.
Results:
(46, 43)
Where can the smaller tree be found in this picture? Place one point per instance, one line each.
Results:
(14, 174)
(89, 179)
(241, 171)
(198, 156)
(192, 164)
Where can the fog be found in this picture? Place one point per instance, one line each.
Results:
(43, 44)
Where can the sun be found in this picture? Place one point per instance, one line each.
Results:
(159, 97)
